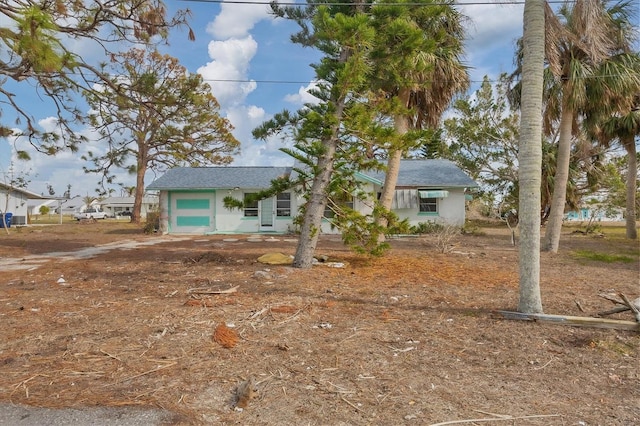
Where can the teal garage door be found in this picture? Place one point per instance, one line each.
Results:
(192, 213)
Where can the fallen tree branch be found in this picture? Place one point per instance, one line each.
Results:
(612, 311)
(626, 305)
(207, 290)
(611, 298)
(572, 320)
(494, 419)
(351, 404)
(126, 379)
(632, 306)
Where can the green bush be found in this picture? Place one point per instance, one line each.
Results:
(472, 228)
(153, 223)
(426, 228)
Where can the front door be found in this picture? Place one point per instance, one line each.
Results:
(266, 214)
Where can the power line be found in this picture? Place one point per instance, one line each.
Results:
(490, 80)
(222, 80)
(329, 3)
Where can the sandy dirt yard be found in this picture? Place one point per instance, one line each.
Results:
(102, 315)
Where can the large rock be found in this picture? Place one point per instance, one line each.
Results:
(275, 259)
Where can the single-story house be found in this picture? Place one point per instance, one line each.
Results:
(35, 205)
(71, 205)
(14, 201)
(119, 206)
(191, 198)
(68, 205)
(595, 214)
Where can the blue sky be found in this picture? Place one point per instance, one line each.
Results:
(243, 42)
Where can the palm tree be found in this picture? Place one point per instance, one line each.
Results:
(88, 200)
(579, 41)
(530, 156)
(419, 66)
(625, 127)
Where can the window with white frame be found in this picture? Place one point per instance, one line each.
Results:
(250, 206)
(283, 204)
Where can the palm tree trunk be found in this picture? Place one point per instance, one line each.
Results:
(632, 176)
(551, 240)
(401, 124)
(530, 158)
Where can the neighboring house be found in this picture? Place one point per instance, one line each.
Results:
(68, 205)
(80, 206)
(595, 214)
(35, 205)
(119, 206)
(14, 201)
(191, 199)
(71, 205)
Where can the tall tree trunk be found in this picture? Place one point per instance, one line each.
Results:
(314, 210)
(632, 176)
(139, 190)
(401, 124)
(551, 240)
(530, 157)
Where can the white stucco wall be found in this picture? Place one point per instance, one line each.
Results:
(15, 203)
(221, 219)
(234, 221)
(451, 210)
(163, 207)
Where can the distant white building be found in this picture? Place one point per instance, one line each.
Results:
(35, 205)
(71, 205)
(14, 201)
(68, 206)
(595, 214)
(121, 206)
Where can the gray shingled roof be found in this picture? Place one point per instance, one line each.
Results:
(413, 173)
(429, 173)
(218, 177)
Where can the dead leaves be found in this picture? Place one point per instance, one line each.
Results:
(225, 336)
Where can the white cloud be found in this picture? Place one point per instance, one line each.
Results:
(492, 25)
(492, 32)
(236, 20)
(245, 119)
(303, 96)
(231, 60)
(255, 113)
(62, 169)
(232, 52)
(253, 152)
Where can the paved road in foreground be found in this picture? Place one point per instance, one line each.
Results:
(121, 416)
